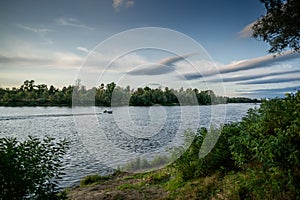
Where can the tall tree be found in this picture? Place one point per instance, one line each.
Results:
(280, 27)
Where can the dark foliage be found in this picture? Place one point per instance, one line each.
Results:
(280, 27)
(30, 94)
(191, 165)
(263, 147)
(30, 169)
(268, 140)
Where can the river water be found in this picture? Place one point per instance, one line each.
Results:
(101, 142)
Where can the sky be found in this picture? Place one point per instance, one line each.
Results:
(175, 43)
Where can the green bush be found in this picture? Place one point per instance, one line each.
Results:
(263, 147)
(267, 142)
(30, 169)
(190, 165)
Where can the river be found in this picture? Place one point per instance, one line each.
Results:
(101, 142)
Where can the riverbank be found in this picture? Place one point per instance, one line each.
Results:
(120, 186)
(166, 184)
(162, 184)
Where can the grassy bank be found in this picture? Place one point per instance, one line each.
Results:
(257, 158)
(163, 185)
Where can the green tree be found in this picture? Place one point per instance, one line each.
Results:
(67, 95)
(28, 85)
(108, 93)
(280, 27)
(100, 96)
(30, 169)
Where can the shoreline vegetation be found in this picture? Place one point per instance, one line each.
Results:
(31, 94)
(257, 158)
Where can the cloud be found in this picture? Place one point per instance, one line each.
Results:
(260, 62)
(164, 66)
(35, 30)
(63, 21)
(172, 60)
(66, 60)
(58, 60)
(83, 49)
(41, 32)
(23, 60)
(280, 90)
(118, 4)
(191, 76)
(247, 31)
(273, 80)
(269, 92)
(251, 77)
(152, 69)
(255, 63)
(100, 62)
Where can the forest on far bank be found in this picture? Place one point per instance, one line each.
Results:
(31, 94)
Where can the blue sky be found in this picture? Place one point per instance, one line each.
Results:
(48, 41)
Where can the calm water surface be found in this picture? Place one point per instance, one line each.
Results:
(101, 142)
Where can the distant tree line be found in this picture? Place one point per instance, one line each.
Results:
(31, 94)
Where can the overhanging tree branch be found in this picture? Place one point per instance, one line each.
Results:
(280, 27)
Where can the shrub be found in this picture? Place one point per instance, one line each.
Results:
(190, 165)
(30, 169)
(267, 142)
(264, 147)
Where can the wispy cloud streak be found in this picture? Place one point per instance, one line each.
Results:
(247, 31)
(164, 66)
(260, 62)
(285, 89)
(83, 49)
(35, 30)
(273, 80)
(55, 60)
(23, 60)
(251, 77)
(269, 92)
(41, 32)
(72, 22)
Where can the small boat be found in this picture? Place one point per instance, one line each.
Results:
(107, 111)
